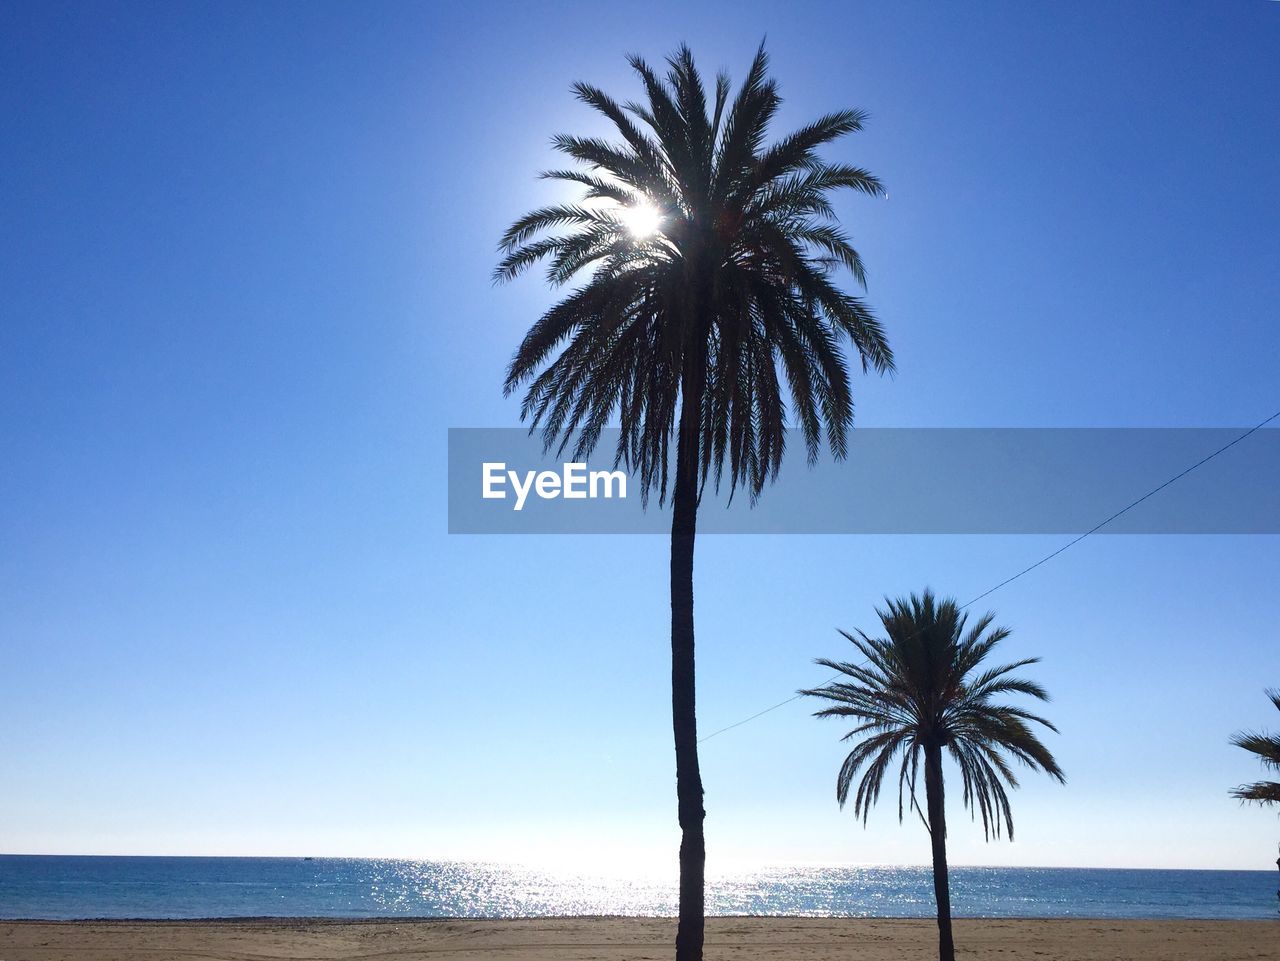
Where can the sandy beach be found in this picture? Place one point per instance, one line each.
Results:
(631, 939)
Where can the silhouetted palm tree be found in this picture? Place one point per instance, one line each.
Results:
(1267, 747)
(708, 300)
(923, 692)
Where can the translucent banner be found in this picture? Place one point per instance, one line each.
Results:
(896, 481)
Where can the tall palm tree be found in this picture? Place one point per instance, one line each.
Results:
(707, 262)
(923, 691)
(1267, 747)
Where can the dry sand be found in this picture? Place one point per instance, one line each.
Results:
(629, 939)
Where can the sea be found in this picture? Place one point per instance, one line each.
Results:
(58, 887)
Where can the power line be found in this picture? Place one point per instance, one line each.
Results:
(1032, 567)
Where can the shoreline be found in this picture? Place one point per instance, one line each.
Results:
(633, 939)
(270, 919)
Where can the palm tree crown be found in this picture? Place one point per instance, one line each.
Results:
(1267, 748)
(923, 687)
(732, 293)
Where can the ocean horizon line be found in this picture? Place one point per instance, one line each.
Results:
(743, 866)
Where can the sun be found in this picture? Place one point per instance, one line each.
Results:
(642, 219)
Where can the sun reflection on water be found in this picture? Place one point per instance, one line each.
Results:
(458, 889)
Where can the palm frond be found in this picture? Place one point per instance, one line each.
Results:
(1263, 792)
(1266, 747)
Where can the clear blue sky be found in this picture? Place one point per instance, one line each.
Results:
(245, 290)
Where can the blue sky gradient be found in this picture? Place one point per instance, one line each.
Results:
(245, 291)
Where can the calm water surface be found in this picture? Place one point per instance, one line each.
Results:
(124, 887)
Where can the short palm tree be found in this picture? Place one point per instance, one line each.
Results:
(1267, 748)
(707, 313)
(923, 692)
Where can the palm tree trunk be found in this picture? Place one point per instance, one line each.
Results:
(936, 802)
(684, 520)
